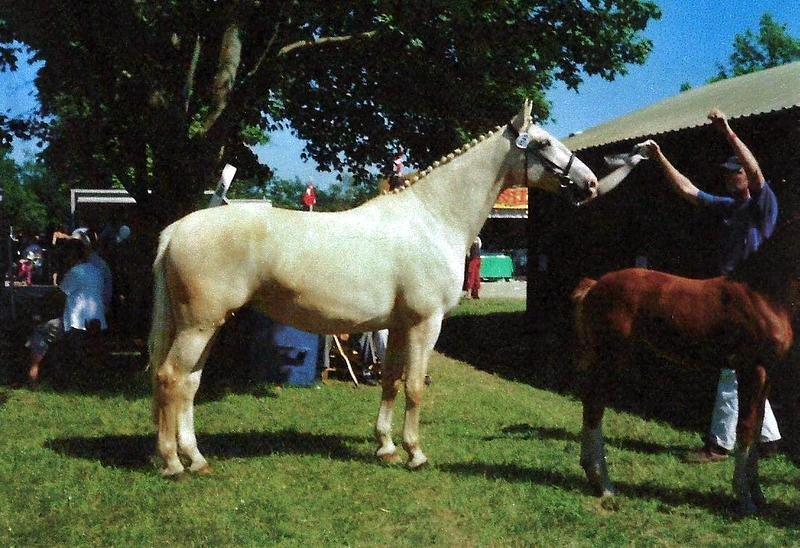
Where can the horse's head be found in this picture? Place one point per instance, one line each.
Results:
(547, 163)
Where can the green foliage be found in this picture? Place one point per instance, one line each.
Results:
(32, 200)
(771, 47)
(159, 95)
(287, 193)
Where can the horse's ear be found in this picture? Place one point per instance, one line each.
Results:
(523, 119)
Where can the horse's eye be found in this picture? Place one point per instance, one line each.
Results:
(542, 143)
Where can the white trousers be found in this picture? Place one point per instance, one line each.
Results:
(726, 414)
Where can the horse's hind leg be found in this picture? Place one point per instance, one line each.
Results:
(187, 442)
(753, 388)
(594, 394)
(175, 385)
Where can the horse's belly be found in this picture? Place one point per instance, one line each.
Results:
(325, 312)
(688, 348)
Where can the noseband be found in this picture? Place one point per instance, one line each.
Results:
(568, 187)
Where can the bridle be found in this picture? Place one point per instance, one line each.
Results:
(567, 186)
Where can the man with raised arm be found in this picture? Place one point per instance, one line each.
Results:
(748, 215)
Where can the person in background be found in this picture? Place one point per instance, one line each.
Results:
(82, 292)
(373, 353)
(90, 241)
(748, 216)
(397, 168)
(310, 196)
(472, 278)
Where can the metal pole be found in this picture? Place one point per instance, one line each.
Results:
(11, 286)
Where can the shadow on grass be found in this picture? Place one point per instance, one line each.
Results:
(137, 452)
(527, 431)
(517, 348)
(776, 513)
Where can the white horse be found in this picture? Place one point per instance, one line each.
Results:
(395, 262)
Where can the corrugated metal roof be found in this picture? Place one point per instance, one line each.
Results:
(756, 93)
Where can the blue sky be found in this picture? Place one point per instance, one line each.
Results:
(689, 40)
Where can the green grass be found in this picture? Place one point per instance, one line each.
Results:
(295, 466)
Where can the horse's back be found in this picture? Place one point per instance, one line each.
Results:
(637, 300)
(301, 268)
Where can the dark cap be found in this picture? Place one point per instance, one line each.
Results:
(732, 164)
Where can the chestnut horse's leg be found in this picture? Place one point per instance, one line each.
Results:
(391, 372)
(595, 392)
(175, 386)
(753, 388)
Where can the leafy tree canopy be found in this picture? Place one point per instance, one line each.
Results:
(158, 95)
(771, 47)
(287, 193)
(32, 199)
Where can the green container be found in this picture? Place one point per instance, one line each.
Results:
(495, 266)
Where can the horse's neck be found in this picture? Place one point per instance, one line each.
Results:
(461, 193)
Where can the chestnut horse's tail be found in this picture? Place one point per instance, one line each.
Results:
(581, 329)
(580, 291)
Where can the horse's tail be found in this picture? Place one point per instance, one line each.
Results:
(581, 329)
(162, 329)
(580, 291)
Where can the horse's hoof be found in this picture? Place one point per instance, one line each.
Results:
(204, 470)
(178, 477)
(414, 465)
(390, 458)
(610, 503)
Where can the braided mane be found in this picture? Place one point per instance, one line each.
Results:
(415, 177)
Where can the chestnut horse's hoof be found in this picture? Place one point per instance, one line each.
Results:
(390, 458)
(746, 508)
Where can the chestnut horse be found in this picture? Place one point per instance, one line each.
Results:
(394, 262)
(741, 322)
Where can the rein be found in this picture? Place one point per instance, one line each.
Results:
(568, 187)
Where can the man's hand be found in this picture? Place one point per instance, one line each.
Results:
(719, 120)
(650, 148)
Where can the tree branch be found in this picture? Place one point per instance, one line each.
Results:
(188, 88)
(301, 44)
(230, 56)
(263, 55)
(243, 95)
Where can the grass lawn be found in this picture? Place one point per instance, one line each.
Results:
(295, 466)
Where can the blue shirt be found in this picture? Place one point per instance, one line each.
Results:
(746, 224)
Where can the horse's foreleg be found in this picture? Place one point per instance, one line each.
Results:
(391, 372)
(752, 389)
(593, 452)
(419, 346)
(176, 384)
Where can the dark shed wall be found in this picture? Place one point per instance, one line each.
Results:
(644, 217)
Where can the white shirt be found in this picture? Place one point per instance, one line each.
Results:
(83, 286)
(108, 284)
